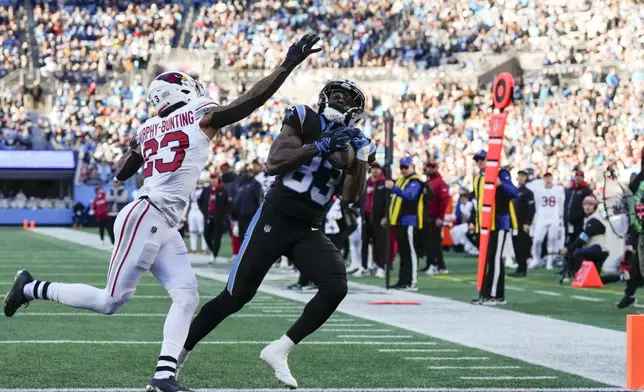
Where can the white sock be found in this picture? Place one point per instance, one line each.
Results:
(75, 295)
(204, 246)
(193, 242)
(285, 344)
(175, 330)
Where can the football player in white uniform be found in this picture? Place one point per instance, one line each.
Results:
(549, 203)
(172, 147)
(196, 221)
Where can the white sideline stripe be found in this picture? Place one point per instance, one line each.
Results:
(220, 342)
(447, 358)
(353, 325)
(472, 367)
(508, 378)
(590, 299)
(376, 336)
(334, 390)
(550, 293)
(513, 288)
(418, 350)
(88, 314)
(352, 330)
(98, 284)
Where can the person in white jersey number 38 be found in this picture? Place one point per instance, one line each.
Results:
(172, 148)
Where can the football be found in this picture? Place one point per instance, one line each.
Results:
(343, 159)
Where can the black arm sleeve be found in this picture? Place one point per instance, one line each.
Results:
(243, 106)
(130, 167)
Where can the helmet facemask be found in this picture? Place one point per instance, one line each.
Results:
(342, 101)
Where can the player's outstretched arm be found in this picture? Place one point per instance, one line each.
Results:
(130, 162)
(261, 91)
(287, 153)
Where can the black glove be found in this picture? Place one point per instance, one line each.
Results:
(299, 51)
(134, 143)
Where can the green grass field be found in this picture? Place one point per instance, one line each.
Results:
(47, 345)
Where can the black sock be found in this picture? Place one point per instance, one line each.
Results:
(40, 289)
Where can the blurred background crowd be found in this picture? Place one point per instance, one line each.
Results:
(588, 121)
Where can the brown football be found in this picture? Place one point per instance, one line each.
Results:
(343, 159)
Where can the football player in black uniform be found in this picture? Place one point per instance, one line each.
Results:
(289, 221)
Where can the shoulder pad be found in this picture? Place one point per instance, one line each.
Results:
(201, 106)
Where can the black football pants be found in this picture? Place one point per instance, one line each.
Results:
(373, 233)
(494, 278)
(272, 234)
(522, 245)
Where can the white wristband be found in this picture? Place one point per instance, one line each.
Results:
(363, 153)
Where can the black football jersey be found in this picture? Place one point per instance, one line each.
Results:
(306, 193)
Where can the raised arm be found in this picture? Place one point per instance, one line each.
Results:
(243, 106)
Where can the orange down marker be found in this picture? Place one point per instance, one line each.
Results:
(635, 351)
(587, 276)
(502, 96)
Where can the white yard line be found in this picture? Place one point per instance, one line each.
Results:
(513, 288)
(91, 314)
(473, 367)
(335, 324)
(550, 293)
(508, 378)
(353, 330)
(375, 336)
(599, 353)
(419, 350)
(447, 358)
(206, 342)
(329, 390)
(589, 299)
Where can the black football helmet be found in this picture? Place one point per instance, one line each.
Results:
(342, 101)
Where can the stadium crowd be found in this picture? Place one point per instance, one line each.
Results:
(553, 124)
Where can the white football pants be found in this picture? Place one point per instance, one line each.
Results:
(144, 241)
(553, 231)
(196, 226)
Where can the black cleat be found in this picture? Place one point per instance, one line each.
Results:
(16, 298)
(165, 385)
(626, 301)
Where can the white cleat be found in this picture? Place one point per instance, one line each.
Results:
(380, 273)
(277, 360)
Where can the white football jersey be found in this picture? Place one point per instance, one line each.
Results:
(175, 151)
(549, 203)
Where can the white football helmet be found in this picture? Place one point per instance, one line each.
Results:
(171, 88)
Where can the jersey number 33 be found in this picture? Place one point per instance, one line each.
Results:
(317, 178)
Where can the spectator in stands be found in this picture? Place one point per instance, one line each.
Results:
(405, 218)
(525, 210)
(374, 221)
(248, 198)
(435, 207)
(216, 205)
(574, 212)
(79, 216)
(100, 209)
